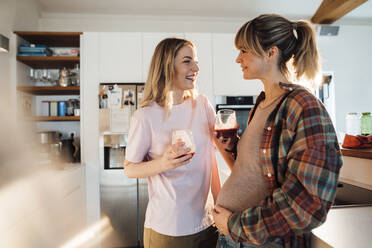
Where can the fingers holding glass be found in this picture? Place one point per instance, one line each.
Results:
(183, 142)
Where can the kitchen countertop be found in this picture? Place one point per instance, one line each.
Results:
(357, 153)
(345, 227)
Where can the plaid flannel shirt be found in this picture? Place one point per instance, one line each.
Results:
(301, 160)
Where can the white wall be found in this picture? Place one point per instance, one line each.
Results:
(349, 56)
(14, 15)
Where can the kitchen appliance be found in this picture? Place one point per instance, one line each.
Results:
(49, 148)
(49, 137)
(114, 150)
(242, 105)
(70, 150)
(123, 200)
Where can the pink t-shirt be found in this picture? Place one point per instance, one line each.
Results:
(180, 200)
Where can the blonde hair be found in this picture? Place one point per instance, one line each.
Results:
(162, 72)
(296, 41)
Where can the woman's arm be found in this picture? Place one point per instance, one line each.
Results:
(221, 146)
(171, 159)
(215, 182)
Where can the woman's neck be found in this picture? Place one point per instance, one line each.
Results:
(177, 97)
(272, 87)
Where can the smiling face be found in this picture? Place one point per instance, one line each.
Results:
(186, 69)
(253, 66)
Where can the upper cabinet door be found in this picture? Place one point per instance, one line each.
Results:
(203, 43)
(120, 57)
(149, 42)
(227, 74)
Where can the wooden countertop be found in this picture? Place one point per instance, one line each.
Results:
(357, 153)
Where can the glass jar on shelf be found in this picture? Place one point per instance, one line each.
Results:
(75, 76)
(352, 123)
(366, 123)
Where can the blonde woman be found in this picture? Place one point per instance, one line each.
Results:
(182, 189)
(284, 178)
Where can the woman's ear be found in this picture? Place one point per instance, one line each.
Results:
(272, 53)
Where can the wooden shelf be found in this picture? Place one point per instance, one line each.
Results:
(52, 118)
(52, 39)
(50, 90)
(357, 153)
(49, 62)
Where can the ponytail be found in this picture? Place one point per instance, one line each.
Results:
(306, 61)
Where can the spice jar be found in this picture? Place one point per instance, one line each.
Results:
(366, 123)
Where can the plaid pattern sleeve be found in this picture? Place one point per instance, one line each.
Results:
(301, 160)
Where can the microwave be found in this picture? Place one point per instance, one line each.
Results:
(242, 105)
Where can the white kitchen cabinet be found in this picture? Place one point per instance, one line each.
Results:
(357, 171)
(203, 43)
(227, 74)
(44, 209)
(120, 57)
(149, 42)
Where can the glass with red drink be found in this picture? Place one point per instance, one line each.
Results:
(185, 136)
(226, 125)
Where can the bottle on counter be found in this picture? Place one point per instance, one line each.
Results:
(366, 123)
(352, 123)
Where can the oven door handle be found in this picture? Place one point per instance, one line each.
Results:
(220, 106)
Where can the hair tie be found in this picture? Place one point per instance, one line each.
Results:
(294, 29)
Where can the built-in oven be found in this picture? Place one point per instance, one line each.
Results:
(242, 105)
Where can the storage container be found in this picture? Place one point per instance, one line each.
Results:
(352, 123)
(366, 123)
(62, 108)
(53, 108)
(45, 108)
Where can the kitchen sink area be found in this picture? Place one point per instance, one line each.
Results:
(348, 221)
(349, 195)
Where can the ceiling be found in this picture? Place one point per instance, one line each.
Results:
(201, 8)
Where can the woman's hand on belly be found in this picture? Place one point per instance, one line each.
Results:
(221, 217)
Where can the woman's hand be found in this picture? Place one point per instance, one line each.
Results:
(175, 156)
(221, 217)
(226, 147)
(223, 143)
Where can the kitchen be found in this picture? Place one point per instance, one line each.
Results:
(114, 39)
